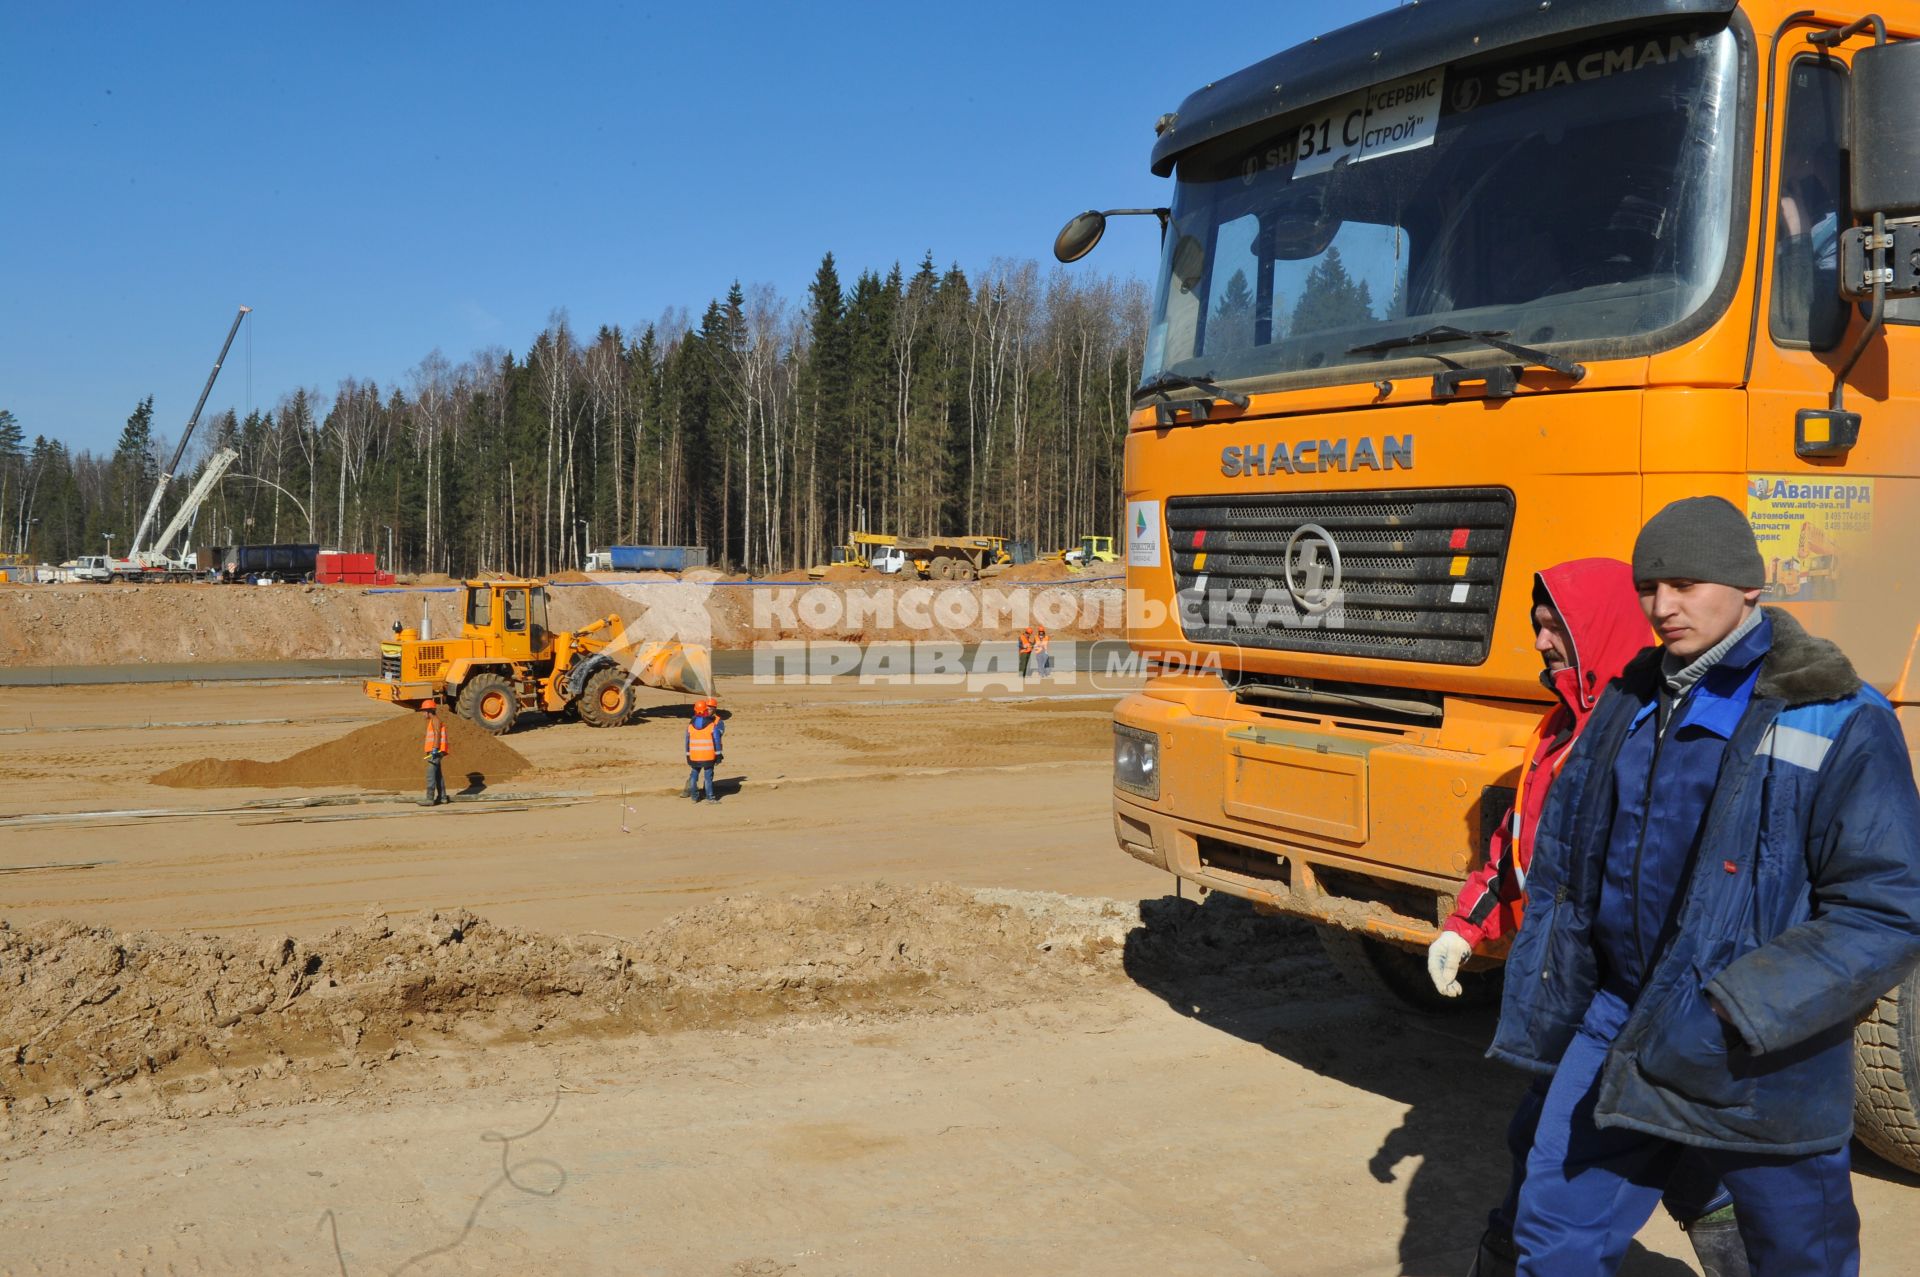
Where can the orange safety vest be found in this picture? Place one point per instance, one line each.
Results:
(436, 737)
(1040, 641)
(700, 744)
(1026, 639)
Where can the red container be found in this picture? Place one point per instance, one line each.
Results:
(348, 569)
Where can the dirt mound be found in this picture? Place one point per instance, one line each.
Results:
(849, 572)
(141, 624)
(383, 755)
(84, 1009)
(1056, 570)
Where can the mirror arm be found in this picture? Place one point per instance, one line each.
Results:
(1840, 35)
(1162, 213)
(1876, 317)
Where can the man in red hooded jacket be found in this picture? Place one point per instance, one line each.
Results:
(1588, 624)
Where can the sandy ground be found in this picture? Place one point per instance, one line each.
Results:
(1154, 1086)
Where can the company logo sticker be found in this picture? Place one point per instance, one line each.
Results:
(1143, 534)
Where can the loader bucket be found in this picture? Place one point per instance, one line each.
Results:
(673, 667)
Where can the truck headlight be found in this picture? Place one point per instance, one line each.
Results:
(1136, 761)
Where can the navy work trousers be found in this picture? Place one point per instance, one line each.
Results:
(1588, 1189)
(1693, 1190)
(700, 776)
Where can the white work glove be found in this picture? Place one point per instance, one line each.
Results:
(1444, 957)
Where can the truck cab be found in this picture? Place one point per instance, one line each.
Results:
(1456, 293)
(509, 618)
(90, 567)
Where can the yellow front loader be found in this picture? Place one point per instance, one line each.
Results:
(506, 661)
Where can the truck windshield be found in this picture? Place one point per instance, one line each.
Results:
(1568, 195)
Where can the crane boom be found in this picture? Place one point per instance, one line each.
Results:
(166, 476)
(217, 466)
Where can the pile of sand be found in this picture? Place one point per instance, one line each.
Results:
(848, 572)
(383, 755)
(82, 1008)
(1055, 570)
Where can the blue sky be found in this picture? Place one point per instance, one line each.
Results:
(379, 181)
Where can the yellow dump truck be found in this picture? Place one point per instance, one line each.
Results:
(938, 558)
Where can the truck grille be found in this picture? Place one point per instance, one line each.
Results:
(1419, 576)
(389, 668)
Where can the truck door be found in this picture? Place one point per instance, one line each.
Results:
(1831, 528)
(516, 644)
(537, 619)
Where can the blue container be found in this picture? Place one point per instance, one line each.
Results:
(656, 558)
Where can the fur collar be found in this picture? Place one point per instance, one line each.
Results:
(1798, 669)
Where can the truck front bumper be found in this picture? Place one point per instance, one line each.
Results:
(405, 694)
(1365, 829)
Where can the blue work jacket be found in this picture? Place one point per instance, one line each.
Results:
(1800, 907)
(1663, 781)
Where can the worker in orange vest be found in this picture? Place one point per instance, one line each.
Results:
(1026, 649)
(703, 748)
(435, 749)
(1042, 656)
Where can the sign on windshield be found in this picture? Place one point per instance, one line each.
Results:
(1370, 123)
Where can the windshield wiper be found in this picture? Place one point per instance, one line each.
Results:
(1159, 386)
(1486, 337)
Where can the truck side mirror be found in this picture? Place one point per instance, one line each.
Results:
(1880, 134)
(1077, 238)
(1882, 259)
(1885, 185)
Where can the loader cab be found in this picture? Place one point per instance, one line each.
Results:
(511, 617)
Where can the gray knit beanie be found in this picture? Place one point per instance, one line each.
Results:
(1699, 539)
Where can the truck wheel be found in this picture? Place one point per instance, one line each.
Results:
(1886, 1075)
(1400, 975)
(490, 702)
(607, 700)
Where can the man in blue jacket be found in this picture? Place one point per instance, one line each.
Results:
(1726, 876)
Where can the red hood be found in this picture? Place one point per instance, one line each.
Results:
(1597, 600)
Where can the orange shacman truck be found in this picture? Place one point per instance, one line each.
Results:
(1455, 293)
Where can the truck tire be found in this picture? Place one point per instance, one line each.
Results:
(607, 699)
(1400, 975)
(491, 703)
(1886, 1075)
